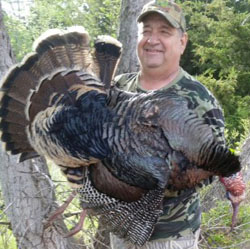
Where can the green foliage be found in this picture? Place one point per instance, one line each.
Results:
(235, 107)
(60, 13)
(7, 240)
(21, 39)
(218, 53)
(107, 19)
(45, 14)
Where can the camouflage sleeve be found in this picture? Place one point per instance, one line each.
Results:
(120, 81)
(202, 101)
(126, 82)
(213, 116)
(207, 107)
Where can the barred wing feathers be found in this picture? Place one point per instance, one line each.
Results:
(190, 135)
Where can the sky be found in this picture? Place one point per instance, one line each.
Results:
(16, 8)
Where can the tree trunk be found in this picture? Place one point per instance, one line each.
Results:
(128, 34)
(245, 159)
(27, 189)
(6, 56)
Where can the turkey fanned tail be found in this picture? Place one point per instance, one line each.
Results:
(61, 59)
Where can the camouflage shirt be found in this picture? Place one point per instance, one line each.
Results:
(181, 209)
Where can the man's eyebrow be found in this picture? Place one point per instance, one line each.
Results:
(166, 26)
(146, 26)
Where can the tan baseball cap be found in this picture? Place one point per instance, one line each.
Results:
(169, 10)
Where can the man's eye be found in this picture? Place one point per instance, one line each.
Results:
(145, 32)
(165, 32)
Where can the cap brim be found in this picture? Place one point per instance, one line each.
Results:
(164, 15)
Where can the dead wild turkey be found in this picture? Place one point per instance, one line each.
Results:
(59, 103)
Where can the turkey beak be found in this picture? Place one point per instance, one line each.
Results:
(235, 214)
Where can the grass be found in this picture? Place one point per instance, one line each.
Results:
(215, 230)
(7, 240)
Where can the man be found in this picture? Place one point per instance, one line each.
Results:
(162, 41)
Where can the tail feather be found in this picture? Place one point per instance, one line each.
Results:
(107, 54)
(50, 89)
(13, 117)
(68, 48)
(31, 65)
(27, 155)
(11, 128)
(16, 148)
(9, 104)
(17, 92)
(8, 137)
(13, 135)
(14, 138)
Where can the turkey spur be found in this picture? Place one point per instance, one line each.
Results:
(59, 103)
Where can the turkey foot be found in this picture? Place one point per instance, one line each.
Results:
(78, 226)
(61, 209)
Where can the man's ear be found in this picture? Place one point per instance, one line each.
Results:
(184, 40)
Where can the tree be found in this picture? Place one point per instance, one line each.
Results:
(245, 158)
(5, 49)
(128, 34)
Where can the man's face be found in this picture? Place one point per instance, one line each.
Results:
(159, 45)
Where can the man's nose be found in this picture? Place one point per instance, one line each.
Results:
(153, 39)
